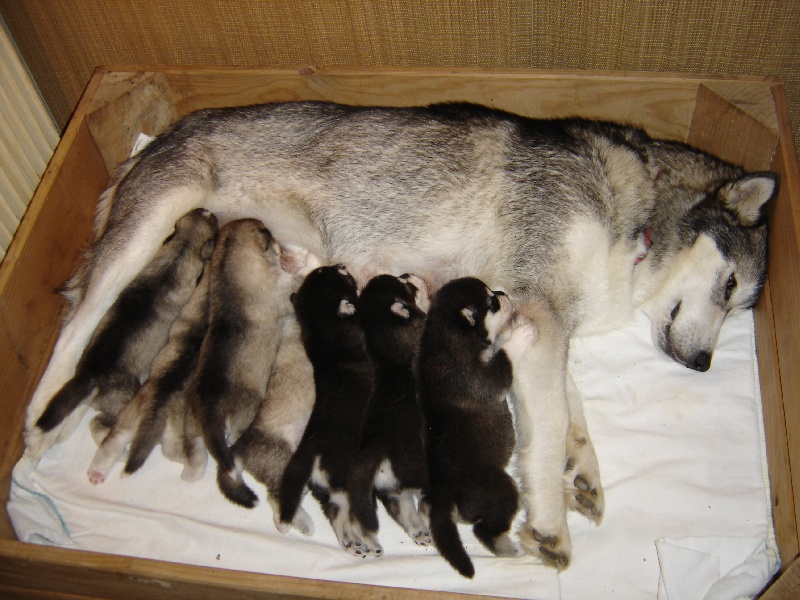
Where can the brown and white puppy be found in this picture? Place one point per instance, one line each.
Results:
(391, 460)
(265, 448)
(132, 332)
(248, 294)
(469, 347)
(156, 412)
(326, 308)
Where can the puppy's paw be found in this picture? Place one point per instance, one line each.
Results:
(302, 522)
(522, 337)
(96, 477)
(584, 492)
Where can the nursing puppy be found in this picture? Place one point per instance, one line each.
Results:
(469, 349)
(326, 307)
(156, 411)
(248, 293)
(133, 331)
(391, 458)
(265, 448)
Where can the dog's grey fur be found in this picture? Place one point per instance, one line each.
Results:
(553, 212)
(248, 294)
(469, 349)
(133, 331)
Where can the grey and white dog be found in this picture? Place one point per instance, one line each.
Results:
(579, 221)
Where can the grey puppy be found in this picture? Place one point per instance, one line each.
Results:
(248, 294)
(134, 330)
(156, 412)
(580, 221)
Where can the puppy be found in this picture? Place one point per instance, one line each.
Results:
(326, 307)
(465, 366)
(133, 330)
(265, 448)
(248, 293)
(156, 411)
(391, 459)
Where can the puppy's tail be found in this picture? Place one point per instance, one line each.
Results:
(294, 481)
(229, 479)
(234, 488)
(446, 537)
(360, 484)
(148, 434)
(68, 398)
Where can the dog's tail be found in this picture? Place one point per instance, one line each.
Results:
(446, 537)
(148, 434)
(229, 478)
(68, 398)
(294, 481)
(234, 488)
(360, 486)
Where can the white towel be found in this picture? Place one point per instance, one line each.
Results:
(681, 455)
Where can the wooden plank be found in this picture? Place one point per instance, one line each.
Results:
(722, 128)
(41, 257)
(139, 103)
(784, 266)
(93, 575)
(787, 587)
(778, 464)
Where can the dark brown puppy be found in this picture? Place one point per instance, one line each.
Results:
(391, 460)
(465, 367)
(326, 306)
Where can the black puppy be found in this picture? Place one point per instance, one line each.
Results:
(391, 460)
(326, 306)
(465, 366)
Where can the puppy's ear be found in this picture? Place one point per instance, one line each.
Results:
(401, 310)
(346, 309)
(468, 313)
(207, 250)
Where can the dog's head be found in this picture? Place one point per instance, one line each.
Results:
(327, 298)
(392, 313)
(469, 309)
(708, 253)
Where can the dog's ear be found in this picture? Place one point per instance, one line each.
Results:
(346, 309)
(468, 314)
(207, 250)
(747, 196)
(401, 310)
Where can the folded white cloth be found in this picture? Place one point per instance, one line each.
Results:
(681, 455)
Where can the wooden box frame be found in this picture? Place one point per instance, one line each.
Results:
(742, 119)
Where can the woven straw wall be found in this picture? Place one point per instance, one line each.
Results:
(62, 41)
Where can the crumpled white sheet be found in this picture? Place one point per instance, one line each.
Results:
(682, 458)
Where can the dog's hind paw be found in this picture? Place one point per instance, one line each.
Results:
(554, 551)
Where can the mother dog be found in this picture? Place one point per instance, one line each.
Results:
(579, 221)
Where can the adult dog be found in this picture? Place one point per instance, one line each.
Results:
(579, 221)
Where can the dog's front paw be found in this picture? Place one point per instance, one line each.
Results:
(555, 550)
(584, 492)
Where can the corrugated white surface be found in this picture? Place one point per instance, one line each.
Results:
(27, 139)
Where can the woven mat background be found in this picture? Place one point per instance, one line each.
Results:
(63, 41)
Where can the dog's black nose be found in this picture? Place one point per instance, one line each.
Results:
(701, 362)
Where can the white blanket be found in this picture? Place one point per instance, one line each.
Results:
(682, 457)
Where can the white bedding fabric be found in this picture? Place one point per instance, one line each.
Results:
(683, 463)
